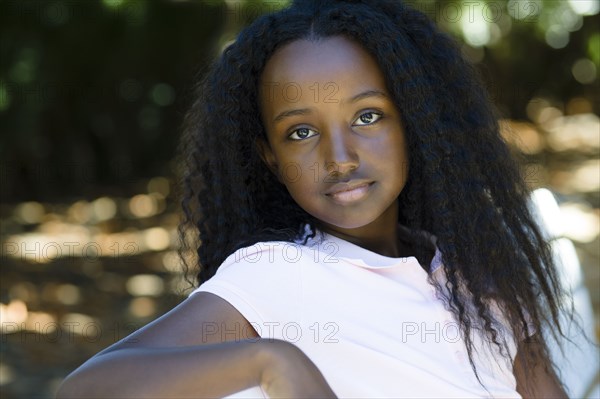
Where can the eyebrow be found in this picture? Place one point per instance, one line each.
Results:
(367, 94)
(292, 112)
(353, 99)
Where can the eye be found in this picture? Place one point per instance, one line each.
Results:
(368, 118)
(302, 133)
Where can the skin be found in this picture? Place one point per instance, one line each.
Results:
(175, 356)
(311, 102)
(319, 133)
(203, 348)
(537, 383)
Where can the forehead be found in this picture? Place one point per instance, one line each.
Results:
(336, 60)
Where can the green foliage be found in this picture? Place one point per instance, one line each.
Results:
(92, 92)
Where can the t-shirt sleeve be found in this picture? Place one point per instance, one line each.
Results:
(263, 283)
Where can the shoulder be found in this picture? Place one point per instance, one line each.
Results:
(202, 319)
(534, 378)
(259, 264)
(263, 282)
(263, 259)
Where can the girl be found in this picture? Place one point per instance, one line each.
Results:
(362, 228)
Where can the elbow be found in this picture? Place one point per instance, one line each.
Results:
(77, 386)
(87, 381)
(66, 389)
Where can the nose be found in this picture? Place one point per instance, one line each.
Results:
(341, 157)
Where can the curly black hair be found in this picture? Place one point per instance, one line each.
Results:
(467, 190)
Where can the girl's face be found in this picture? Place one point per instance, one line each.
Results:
(332, 125)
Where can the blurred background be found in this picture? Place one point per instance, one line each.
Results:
(92, 95)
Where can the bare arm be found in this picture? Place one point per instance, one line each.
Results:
(535, 383)
(214, 370)
(178, 356)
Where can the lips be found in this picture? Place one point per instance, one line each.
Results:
(350, 191)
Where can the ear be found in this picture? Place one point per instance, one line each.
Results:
(266, 154)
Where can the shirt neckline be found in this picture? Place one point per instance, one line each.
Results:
(363, 257)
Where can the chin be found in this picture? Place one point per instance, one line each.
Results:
(346, 223)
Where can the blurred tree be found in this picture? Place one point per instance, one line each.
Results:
(92, 92)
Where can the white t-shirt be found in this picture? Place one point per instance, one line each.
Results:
(372, 324)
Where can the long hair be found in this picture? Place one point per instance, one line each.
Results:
(464, 185)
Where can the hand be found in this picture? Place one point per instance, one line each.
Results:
(289, 373)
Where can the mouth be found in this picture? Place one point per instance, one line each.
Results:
(348, 192)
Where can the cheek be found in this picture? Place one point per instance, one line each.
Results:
(302, 189)
(298, 169)
(391, 159)
(293, 175)
(391, 149)
(402, 161)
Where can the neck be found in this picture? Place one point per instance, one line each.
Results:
(381, 236)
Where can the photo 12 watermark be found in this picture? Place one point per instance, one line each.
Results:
(66, 331)
(290, 331)
(47, 251)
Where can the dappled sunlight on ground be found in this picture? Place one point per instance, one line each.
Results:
(78, 277)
